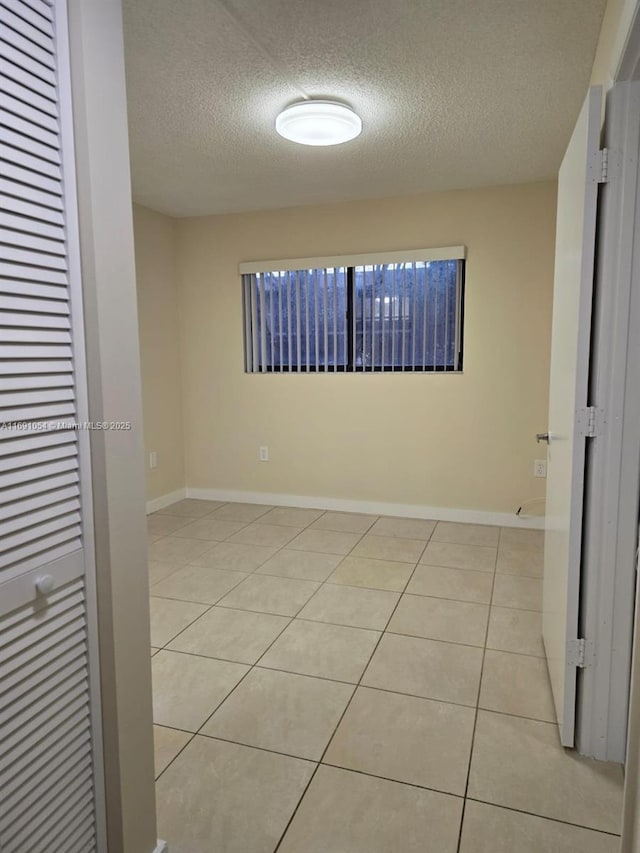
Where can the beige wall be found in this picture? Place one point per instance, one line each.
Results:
(155, 244)
(456, 441)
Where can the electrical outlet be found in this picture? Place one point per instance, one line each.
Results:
(540, 468)
(153, 459)
(264, 454)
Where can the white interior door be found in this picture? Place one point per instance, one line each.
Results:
(50, 776)
(569, 418)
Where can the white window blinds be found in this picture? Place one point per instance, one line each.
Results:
(391, 312)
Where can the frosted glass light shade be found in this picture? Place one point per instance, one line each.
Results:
(318, 123)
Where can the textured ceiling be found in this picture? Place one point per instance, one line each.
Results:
(452, 94)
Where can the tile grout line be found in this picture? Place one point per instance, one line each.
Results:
(256, 663)
(233, 689)
(359, 684)
(342, 624)
(544, 817)
(192, 735)
(219, 705)
(348, 705)
(204, 605)
(349, 683)
(251, 668)
(163, 647)
(477, 709)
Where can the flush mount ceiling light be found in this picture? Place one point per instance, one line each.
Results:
(318, 123)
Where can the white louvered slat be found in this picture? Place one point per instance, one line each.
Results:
(69, 750)
(31, 243)
(31, 730)
(70, 827)
(10, 222)
(25, 460)
(28, 311)
(64, 606)
(23, 126)
(22, 93)
(36, 336)
(25, 443)
(30, 490)
(77, 831)
(24, 665)
(28, 14)
(46, 647)
(29, 113)
(33, 350)
(46, 651)
(36, 502)
(15, 73)
(61, 534)
(47, 796)
(60, 411)
(31, 52)
(42, 9)
(59, 811)
(71, 714)
(65, 825)
(54, 380)
(34, 211)
(35, 196)
(31, 69)
(29, 162)
(15, 287)
(50, 805)
(49, 761)
(33, 796)
(40, 321)
(49, 638)
(20, 700)
(31, 178)
(26, 367)
(28, 144)
(26, 305)
(17, 815)
(25, 26)
(37, 472)
(21, 466)
(27, 538)
(75, 825)
(28, 691)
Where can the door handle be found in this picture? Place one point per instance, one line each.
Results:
(45, 584)
(543, 436)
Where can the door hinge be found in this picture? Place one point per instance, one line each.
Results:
(604, 166)
(589, 421)
(575, 653)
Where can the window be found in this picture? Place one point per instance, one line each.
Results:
(397, 312)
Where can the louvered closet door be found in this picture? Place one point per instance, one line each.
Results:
(50, 784)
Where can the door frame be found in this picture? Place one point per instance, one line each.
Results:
(610, 521)
(107, 265)
(67, 131)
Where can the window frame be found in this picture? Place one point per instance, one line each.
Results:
(350, 263)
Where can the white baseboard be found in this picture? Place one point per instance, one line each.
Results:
(165, 500)
(437, 513)
(161, 847)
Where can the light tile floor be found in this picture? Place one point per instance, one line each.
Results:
(327, 681)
